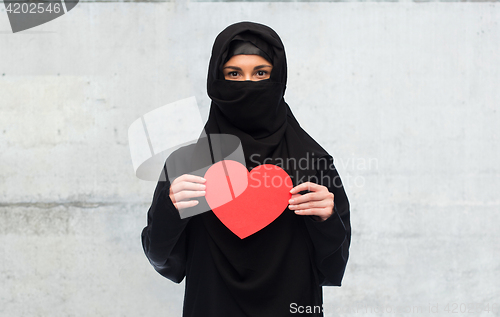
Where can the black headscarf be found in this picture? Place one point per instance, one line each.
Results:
(256, 111)
(267, 270)
(244, 47)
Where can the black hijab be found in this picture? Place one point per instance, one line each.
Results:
(268, 270)
(256, 111)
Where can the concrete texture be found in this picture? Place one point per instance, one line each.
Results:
(404, 96)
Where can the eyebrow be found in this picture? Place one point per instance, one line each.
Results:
(238, 68)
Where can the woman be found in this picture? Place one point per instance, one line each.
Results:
(279, 270)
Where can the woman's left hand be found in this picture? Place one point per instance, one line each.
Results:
(317, 203)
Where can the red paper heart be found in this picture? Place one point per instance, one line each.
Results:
(247, 202)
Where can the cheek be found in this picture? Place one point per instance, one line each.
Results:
(262, 77)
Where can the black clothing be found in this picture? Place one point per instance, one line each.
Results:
(256, 111)
(228, 276)
(243, 47)
(286, 262)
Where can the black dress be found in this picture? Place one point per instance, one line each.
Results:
(274, 272)
(279, 270)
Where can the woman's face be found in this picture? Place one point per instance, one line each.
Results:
(247, 67)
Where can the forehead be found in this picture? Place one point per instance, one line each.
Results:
(246, 60)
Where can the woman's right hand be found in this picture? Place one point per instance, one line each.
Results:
(185, 187)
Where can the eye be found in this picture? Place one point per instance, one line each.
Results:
(232, 74)
(261, 73)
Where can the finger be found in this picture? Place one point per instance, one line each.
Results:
(318, 216)
(178, 187)
(306, 186)
(320, 212)
(311, 204)
(295, 196)
(190, 178)
(305, 212)
(186, 204)
(314, 196)
(185, 195)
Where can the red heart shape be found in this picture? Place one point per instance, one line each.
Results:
(247, 202)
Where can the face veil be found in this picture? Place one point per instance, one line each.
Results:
(256, 111)
(256, 108)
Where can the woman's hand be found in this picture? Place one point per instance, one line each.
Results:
(317, 203)
(185, 187)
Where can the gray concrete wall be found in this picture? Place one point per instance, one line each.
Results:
(405, 96)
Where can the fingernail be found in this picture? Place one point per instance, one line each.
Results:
(291, 201)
